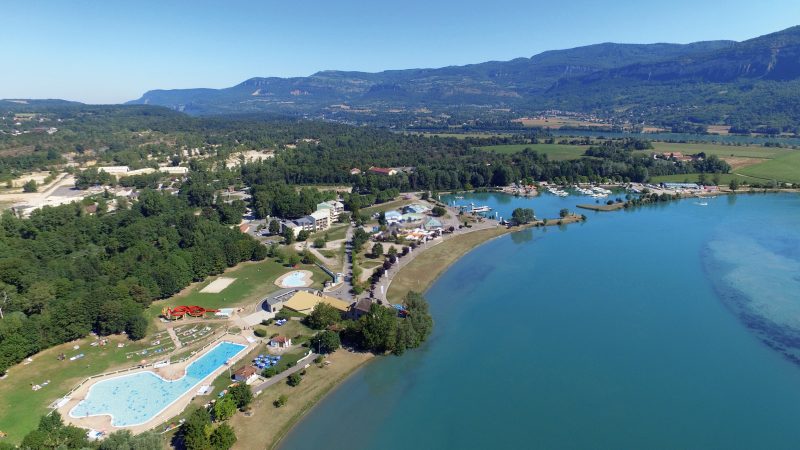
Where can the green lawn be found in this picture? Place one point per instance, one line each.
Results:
(21, 407)
(394, 204)
(334, 233)
(253, 281)
(785, 168)
(721, 150)
(555, 152)
(724, 178)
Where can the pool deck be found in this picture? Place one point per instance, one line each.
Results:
(170, 372)
(306, 277)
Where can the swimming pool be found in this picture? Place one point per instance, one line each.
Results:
(294, 279)
(136, 398)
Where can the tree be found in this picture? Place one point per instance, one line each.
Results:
(319, 242)
(274, 227)
(563, 213)
(392, 251)
(734, 184)
(223, 437)
(322, 316)
(379, 328)
(326, 342)
(522, 215)
(30, 186)
(52, 434)
(125, 440)
(288, 235)
(302, 236)
(438, 211)
(242, 395)
(715, 179)
(377, 250)
(195, 431)
(224, 408)
(294, 379)
(136, 328)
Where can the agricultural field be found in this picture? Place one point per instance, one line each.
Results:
(785, 168)
(723, 151)
(556, 152)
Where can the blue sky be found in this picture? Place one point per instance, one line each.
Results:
(113, 51)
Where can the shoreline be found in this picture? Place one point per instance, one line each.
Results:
(493, 233)
(425, 282)
(311, 404)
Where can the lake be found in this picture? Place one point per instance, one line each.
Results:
(671, 326)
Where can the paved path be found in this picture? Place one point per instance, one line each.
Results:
(382, 287)
(174, 338)
(283, 375)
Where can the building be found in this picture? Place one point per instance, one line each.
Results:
(246, 374)
(433, 224)
(355, 171)
(296, 229)
(280, 342)
(114, 170)
(393, 216)
(304, 302)
(322, 219)
(333, 207)
(305, 223)
(415, 208)
(244, 228)
(382, 171)
(359, 309)
(679, 186)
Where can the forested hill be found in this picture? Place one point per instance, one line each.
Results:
(512, 82)
(749, 84)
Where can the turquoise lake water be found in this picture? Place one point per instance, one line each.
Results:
(135, 399)
(672, 326)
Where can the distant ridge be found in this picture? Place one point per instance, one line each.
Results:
(753, 83)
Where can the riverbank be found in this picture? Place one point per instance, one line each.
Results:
(268, 425)
(420, 273)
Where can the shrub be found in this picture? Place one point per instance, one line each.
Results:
(260, 332)
(280, 401)
(294, 379)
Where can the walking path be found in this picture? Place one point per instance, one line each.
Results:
(382, 288)
(174, 338)
(283, 375)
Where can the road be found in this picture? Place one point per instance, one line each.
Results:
(283, 375)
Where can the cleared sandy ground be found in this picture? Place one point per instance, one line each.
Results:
(217, 286)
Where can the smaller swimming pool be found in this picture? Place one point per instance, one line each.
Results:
(298, 278)
(137, 398)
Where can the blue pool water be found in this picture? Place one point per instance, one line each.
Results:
(136, 398)
(294, 279)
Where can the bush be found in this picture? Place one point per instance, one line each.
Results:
(269, 372)
(319, 243)
(280, 401)
(294, 379)
(260, 332)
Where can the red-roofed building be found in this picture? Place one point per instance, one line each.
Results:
(382, 171)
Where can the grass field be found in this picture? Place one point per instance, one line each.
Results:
(555, 152)
(394, 204)
(420, 273)
(721, 150)
(253, 281)
(724, 178)
(785, 168)
(21, 407)
(269, 424)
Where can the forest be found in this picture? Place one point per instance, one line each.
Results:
(65, 273)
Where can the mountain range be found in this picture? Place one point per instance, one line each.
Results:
(753, 83)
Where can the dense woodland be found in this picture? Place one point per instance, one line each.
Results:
(64, 273)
